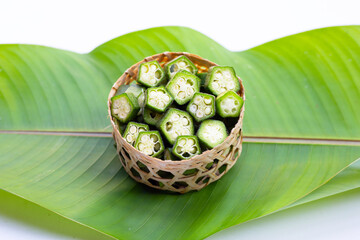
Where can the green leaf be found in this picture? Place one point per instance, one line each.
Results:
(303, 88)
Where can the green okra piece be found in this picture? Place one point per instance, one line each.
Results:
(178, 64)
(132, 131)
(150, 143)
(152, 117)
(186, 147)
(202, 77)
(135, 89)
(150, 74)
(119, 126)
(202, 106)
(124, 107)
(158, 99)
(221, 79)
(211, 133)
(176, 123)
(183, 86)
(228, 104)
(168, 154)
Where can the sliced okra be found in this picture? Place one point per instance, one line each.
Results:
(183, 86)
(150, 143)
(158, 99)
(202, 77)
(228, 104)
(135, 89)
(151, 117)
(180, 63)
(186, 147)
(176, 123)
(119, 126)
(150, 74)
(221, 79)
(211, 133)
(124, 107)
(132, 131)
(168, 154)
(202, 106)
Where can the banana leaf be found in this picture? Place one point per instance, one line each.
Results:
(301, 127)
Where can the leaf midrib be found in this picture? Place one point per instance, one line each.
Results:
(248, 139)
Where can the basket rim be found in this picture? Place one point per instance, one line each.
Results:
(218, 148)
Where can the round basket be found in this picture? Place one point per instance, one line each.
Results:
(177, 176)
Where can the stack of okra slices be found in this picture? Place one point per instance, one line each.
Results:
(177, 113)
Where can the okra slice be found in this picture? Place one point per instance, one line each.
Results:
(221, 79)
(149, 143)
(158, 99)
(180, 63)
(202, 106)
(136, 90)
(124, 107)
(132, 131)
(183, 86)
(228, 104)
(211, 133)
(176, 123)
(202, 77)
(186, 147)
(151, 117)
(168, 154)
(150, 74)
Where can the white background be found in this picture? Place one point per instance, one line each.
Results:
(238, 25)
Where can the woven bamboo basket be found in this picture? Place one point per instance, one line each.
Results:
(167, 174)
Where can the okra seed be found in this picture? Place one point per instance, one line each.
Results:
(153, 67)
(142, 130)
(199, 114)
(182, 64)
(145, 68)
(207, 110)
(189, 82)
(182, 142)
(207, 101)
(190, 91)
(132, 129)
(145, 138)
(191, 141)
(158, 74)
(129, 138)
(218, 75)
(193, 108)
(181, 81)
(227, 74)
(181, 95)
(185, 121)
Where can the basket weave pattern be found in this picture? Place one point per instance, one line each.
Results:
(199, 170)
